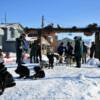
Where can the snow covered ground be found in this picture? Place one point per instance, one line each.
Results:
(61, 83)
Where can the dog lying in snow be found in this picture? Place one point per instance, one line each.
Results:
(6, 79)
(39, 73)
(23, 71)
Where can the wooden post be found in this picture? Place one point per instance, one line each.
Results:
(40, 41)
(97, 43)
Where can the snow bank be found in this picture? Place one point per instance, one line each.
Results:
(61, 83)
(93, 61)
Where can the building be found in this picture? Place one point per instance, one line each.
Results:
(8, 34)
(1, 36)
(10, 31)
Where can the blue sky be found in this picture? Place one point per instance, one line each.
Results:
(66, 13)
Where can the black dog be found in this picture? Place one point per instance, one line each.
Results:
(39, 73)
(23, 71)
(6, 79)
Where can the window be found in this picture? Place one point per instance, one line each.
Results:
(12, 33)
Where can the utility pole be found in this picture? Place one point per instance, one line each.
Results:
(42, 24)
(5, 18)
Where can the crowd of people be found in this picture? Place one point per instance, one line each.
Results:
(23, 46)
(78, 51)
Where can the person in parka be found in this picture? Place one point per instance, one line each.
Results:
(21, 48)
(60, 51)
(92, 50)
(33, 52)
(85, 49)
(50, 55)
(78, 50)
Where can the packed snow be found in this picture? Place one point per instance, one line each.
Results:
(64, 82)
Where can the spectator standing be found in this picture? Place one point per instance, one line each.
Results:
(84, 53)
(69, 52)
(50, 55)
(92, 50)
(60, 51)
(21, 48)
(35, 52)
(78, 50)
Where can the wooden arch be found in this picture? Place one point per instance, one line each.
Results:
(88, 31)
